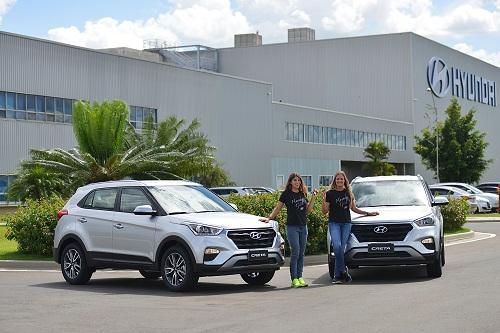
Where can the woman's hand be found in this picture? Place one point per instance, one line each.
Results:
(265, 219)
(372, 213)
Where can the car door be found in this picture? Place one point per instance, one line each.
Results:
(133, 235)
(94, 222)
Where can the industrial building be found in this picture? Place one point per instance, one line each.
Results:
(306, 105)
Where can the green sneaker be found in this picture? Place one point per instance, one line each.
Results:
(302, 282)
(296, 283)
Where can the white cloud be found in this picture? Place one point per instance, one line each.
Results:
(490, 57)
(201, 22)
(347, 16)
(5, 5)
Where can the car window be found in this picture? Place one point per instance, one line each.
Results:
(101, 199)
(131, 198)
(390, 193)
(176, 199)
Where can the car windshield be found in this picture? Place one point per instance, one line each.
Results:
(389, 193)
(183, 199)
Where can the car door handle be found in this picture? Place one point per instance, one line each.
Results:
(118, 226)
(82, 220)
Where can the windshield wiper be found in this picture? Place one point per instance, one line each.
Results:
(209, 211)
(176, 213)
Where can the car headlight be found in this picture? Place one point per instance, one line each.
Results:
(426, 221)
(204, 230)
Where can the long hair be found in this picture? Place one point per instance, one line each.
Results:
(302, 188)
(333, 185)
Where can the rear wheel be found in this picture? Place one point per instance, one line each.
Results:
(257, 278)
(177, 270)
(152, 275)
(74, 266)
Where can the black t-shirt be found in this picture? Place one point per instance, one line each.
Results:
(339, 205)
(296, 207)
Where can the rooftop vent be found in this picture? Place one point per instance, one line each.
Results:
(245, 40)
(301, 35)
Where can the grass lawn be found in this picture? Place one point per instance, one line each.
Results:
(485, 215)
(8, 249)
(459, 231)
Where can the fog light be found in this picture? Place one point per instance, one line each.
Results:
(429, 243)
(282, 249)
(210, 254)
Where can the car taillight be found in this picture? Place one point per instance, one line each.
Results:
(61, 213)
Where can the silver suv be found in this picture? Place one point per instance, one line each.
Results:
(408, 231)
(178, 230)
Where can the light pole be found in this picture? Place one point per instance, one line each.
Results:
(437, 134)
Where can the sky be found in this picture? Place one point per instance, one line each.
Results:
(470, 26)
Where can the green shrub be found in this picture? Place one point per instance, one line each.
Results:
(263, 204)
(33, 224)
(454, 214)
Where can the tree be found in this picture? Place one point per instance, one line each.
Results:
(37, 183)
(110, 149)
(214, 175)
(461, 146)
(378, 152)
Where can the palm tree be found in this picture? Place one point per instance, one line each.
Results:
(377, 152)
(109, 148)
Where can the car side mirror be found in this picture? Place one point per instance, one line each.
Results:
(144, 210)
(233, 205)
(440, 201)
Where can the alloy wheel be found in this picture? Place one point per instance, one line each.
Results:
(72, 263)
(175, 269)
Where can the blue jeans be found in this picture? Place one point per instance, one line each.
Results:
(297, 239)
(339, 234)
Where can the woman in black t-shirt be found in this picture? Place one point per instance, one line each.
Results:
(294, 197)
(338, 203)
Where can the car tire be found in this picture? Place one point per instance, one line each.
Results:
(177, 270)
(74, 266)
(435, 268)
(257, 278)
(150, 275)
(331, 266)
(442, 253)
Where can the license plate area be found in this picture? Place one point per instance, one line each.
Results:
(381, 248)
(258, 255)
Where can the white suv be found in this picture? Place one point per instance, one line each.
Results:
(408, 231)
(178, 230)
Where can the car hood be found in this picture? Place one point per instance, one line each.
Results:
(226, 220)
(392, 214)
(488, 196)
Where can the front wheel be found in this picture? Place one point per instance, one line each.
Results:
(177, 270)
(257, 278)
(74, 266)
(435, 268)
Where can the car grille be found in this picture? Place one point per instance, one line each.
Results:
(367, 255)
(395, 232)
(244, 262)
(243, 240)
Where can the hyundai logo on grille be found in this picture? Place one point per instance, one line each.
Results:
(255, 235)
(380, 229)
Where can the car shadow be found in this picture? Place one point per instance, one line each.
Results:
(141, 286)
(381, 275)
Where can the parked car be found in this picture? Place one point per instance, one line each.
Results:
(491, 198)
(455, 192)
(262, 189)
(408, 230)
(227, 190)
(488, 188)
(178, 230)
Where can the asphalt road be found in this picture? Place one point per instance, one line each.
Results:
(465, 299)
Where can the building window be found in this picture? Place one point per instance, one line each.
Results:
(56, 109)
(280, 182)
(325, 180)
(5, 181)
(308, 182)
(340, 136)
